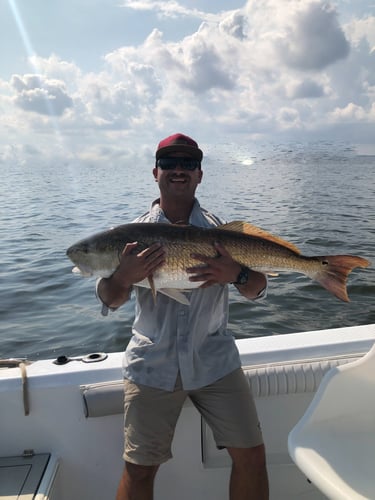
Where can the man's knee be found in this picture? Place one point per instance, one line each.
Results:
(248, 457)
(140, 472)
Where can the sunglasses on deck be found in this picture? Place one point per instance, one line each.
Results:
(172, 163)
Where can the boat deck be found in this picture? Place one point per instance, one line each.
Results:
(75, 414)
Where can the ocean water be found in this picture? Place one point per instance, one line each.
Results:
(320, 196)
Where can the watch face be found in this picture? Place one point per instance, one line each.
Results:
(243, 277)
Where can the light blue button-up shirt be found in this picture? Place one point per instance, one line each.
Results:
(170, 337)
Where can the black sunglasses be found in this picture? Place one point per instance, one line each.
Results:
(171, 163)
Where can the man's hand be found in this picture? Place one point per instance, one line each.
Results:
(221, 269)
(135, 267)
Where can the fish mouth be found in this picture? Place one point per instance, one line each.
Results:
(82, 270)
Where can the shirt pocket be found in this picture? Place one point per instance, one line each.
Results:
(138, 346)
(140, 340)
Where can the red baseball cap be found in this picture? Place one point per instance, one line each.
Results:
(178, 143)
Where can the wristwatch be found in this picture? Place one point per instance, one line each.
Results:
(243, 276)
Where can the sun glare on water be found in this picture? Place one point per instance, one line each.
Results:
(247, 161)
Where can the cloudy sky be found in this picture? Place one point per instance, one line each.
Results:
(89, 79)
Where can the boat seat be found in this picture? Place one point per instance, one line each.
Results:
(334, 442)
(106, 398)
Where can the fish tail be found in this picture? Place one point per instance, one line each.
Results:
(334, 272)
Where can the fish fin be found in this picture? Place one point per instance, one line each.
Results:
(150, 280)
(251, 230)
(175, 294)
(334, 273)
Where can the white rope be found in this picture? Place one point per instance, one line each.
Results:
(14, 363)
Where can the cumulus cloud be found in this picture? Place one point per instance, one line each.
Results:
(306, 89)
(41, 95)
(117, 104)
(196, 64)
(315, 39)
(234, 24)
(362, 29)
(350, 113)
(53, 67)
(204, 68)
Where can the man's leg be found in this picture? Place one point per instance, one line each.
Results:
(249, 479)
(137, 482)
(150, 419)
(228, 407)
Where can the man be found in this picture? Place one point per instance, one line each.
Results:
(180, 350)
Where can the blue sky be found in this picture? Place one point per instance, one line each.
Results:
(92, 80)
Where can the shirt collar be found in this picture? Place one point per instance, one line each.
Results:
(157, 214)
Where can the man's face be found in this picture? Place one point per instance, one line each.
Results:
(178, 182)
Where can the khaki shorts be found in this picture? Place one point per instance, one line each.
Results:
(151, 415)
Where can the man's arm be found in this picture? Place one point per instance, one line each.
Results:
(134, 267)
(224, 270)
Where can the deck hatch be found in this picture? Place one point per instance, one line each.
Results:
(20, 476)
